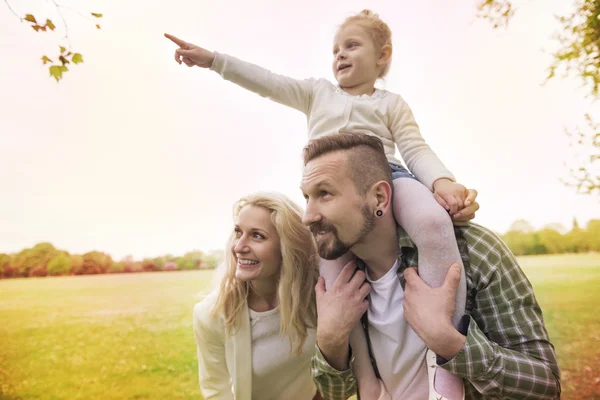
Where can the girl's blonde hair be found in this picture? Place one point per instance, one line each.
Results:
(380, 32)
(297, 276)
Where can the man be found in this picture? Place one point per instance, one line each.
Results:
(502, 348)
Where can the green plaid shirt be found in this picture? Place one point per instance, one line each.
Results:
(507, 354)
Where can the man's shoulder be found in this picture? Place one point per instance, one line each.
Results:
(485, 247)
(475, 232)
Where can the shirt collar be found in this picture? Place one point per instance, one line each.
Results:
(404, 239)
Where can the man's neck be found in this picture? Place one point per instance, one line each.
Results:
(379, 250)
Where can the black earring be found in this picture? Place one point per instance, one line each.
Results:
(379, 213)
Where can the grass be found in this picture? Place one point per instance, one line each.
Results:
(130, 336)
(568, 290)
(109, 337)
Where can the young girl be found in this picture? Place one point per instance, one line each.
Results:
(362, 53)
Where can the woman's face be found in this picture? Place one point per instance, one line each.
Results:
(256, 246)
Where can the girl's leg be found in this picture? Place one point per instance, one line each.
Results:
(429, 226)
(369, 387)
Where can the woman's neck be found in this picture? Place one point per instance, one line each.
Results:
(262, 296)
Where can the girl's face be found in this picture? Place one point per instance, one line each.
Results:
(355, 58)
(256, 246)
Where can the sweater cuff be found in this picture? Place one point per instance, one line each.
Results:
(218, 63)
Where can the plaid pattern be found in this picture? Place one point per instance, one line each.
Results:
(507, 354)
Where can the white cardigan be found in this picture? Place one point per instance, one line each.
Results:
(224, 363)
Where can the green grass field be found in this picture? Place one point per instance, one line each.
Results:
(130, 336)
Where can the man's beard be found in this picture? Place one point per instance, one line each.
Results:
(335, 247)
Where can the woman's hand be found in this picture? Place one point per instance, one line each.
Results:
(190, 54)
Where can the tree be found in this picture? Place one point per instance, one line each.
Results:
(33, 261)
(66, 56)
(213, 258)
(127, 265)
(76, 264)
(190, 260)
(551, 240)
(60, 264)
(577, 241)
(578, 56)
(584, 173)
(6, 269)
(148, 265)
(593, 230)
(117, 268)
(497, 12)
(96, 262)
(520, 243)
(170, 266)
(521, 225)
(557, 226)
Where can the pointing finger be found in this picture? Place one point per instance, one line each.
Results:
(176, 40)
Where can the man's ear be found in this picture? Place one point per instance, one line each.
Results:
(385, 55)
(382, 196)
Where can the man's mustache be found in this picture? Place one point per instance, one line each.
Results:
(322, 226)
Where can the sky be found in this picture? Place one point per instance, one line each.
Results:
(133, 154)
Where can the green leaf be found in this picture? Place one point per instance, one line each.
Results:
(56, 71)
(77, 58)
(62, 49)
(97, 26)
(97, 15)
(50, 25)
(36, 27)
(63, 60)
(46, 60)
(30, 18)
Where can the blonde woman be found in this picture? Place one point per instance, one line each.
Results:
(256, 333)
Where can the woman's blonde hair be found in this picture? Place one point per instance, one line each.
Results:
(297, 277)
(380, 32)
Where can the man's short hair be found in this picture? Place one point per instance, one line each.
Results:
(366, 158)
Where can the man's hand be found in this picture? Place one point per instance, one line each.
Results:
(339, 310)
(429, 311)
(190, 54)
(450, 195)
(462, 217)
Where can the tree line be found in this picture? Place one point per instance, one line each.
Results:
(522, 239)
(44, 259)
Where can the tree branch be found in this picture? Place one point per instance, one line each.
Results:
(497, 12)
(64, 22)
(13, 11)
(75, 11)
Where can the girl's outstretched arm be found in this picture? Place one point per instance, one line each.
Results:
(288, 91)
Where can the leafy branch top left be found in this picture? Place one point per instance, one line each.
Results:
(66, 55)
